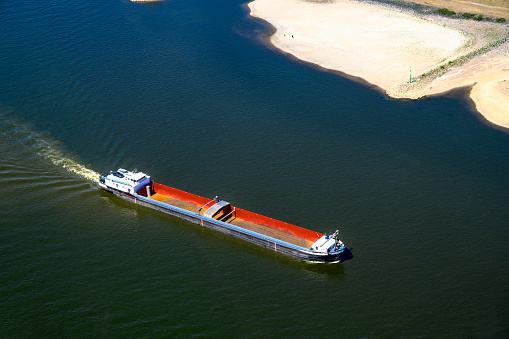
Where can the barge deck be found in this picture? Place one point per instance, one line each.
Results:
(245, 224)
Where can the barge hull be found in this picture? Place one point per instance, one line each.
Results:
(219, 226)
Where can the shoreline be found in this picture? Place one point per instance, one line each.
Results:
(390, 45)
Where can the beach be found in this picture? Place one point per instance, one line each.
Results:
(406, 54)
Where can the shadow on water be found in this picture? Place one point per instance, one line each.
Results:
(347, 255)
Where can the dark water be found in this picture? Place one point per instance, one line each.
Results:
(187, 91)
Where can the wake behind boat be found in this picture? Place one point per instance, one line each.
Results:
(221, 216)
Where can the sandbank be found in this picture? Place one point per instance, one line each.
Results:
(385, 46)
(488, 75)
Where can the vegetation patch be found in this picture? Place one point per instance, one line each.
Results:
(440, 70)
(446, 12)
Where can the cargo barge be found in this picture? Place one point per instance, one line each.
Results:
(221, 216)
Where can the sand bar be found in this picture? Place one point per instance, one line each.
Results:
(382, 45)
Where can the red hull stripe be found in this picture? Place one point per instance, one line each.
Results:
(279, 225)
(241, 214)
(181, 195)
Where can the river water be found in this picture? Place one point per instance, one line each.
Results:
(189, 92)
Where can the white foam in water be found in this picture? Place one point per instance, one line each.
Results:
(43, 145)
(58, 158)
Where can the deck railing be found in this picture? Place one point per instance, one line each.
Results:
(226, 217)
(214, 200)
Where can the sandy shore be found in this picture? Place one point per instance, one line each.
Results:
(489, 75)
(383, 45)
